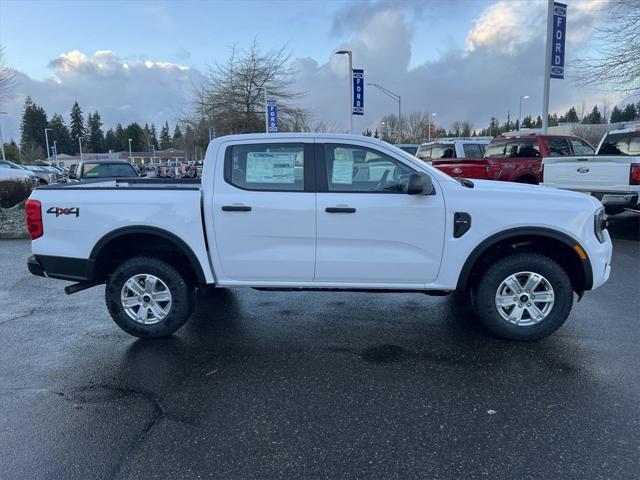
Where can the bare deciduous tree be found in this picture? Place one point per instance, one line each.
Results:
(616, 66)
(232, 96)
(7, 78)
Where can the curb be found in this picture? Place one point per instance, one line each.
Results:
(14, 236)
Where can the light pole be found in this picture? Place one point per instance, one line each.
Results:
(46, 138)
(522, 97)
(350, 54)
(80, 143)
(130, 158)
(429, 125)
(2, 139)
(398, 99)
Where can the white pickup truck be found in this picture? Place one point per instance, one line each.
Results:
(295, 212)
(612, 175)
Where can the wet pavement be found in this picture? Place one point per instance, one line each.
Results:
(317, 385)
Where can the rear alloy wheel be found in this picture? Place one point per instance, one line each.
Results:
(148, 298)
(525, 296)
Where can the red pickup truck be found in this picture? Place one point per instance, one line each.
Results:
(515, 159)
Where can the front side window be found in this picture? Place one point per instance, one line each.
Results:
(360, 169)
(558, 147)
(581, 147)
(473, 150)
(269, 166)
(517, 148)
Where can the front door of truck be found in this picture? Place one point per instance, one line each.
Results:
(370, 231)
(264, 212)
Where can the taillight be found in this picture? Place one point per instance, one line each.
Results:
(634, 174)
(493, 171)
(33, 212)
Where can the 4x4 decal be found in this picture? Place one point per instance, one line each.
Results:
(57, 211)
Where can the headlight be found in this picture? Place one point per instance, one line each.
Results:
(600, 224)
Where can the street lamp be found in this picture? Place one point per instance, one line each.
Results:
(130, 158)
(2, 139)
(350, 54)
(398, 99)
(46, 137)
(429, 125)
(523, 97)
(80, 143)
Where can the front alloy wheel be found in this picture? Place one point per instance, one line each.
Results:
(525, 298)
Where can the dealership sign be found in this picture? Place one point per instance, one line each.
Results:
(559, 33)
(358, 92)
(272, 115)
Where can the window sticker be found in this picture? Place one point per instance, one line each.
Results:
(342, 167)
(265, 167)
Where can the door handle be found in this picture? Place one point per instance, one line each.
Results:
(236, 208)
(340, 210)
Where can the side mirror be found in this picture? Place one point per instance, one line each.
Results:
(72, 176)
(420, 184)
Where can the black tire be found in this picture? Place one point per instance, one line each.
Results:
(182, 297)
(487, 288)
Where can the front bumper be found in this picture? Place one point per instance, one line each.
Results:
(600, 257)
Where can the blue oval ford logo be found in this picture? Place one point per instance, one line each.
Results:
(583, 170)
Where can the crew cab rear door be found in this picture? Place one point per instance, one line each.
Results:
(370, 231)
(264, 211)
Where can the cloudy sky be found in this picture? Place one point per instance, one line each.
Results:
(139, 60)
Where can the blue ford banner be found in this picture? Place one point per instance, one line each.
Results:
(272, 115)
(358, 92)
(558, 40)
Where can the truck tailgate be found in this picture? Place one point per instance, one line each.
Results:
(465, 167)
(589, 173)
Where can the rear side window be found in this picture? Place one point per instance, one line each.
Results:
(558, 147)
(517, 148)
(581, 147)
(473, 150)
(621, 144)
(267, 167)
(424, 153)
(443, 151)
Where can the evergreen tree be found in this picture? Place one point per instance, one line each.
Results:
(538, 122)
(594, 117)
(629, 114)
(527, 122)
(122, 141)
(76, 126)
(137, 136)
(517, 125)
(571, 116)
(111, 143)
(154, 137)
(12, 152)
(60, 134)
(95, 143)
(32, 125)
(177, 138)
(165, 139)
(554, 120)
(616, 115)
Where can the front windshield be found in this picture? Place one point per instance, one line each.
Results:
(8, 164)
(108, 170)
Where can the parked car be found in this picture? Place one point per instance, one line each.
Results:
(515, 159)
(13, 171)
(45, 176)
(253, 222)
(452, 148)
(95, 169)
(612, 175)
(410, 148)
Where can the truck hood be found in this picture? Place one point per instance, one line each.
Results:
(533, 193)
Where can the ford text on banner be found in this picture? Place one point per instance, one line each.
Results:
(558, 40)
(272, 112)
(358, 92)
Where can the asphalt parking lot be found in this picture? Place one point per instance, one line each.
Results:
(317, 385)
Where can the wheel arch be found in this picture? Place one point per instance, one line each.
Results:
(164, 238)
(558, 245)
